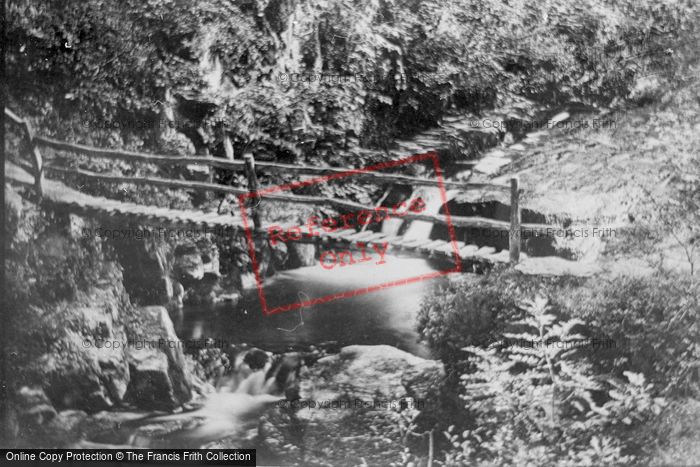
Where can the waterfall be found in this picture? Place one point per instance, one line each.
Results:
(417, 230)
(391, 226)
(235, 408)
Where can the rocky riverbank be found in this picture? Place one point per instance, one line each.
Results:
(89, 360)
(368, 397)
(77, 342)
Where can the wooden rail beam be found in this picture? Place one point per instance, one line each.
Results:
(474, 222)
(183, 184)
(363, 174)
(13, 117)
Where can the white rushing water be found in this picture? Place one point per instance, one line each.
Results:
(418, 230)
(232, 411)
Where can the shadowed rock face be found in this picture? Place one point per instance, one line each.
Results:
(188, 265)
(30, 409)
(80, 350)
(56, 341)
(159, 378)
(146, 267)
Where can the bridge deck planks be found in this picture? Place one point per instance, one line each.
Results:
(485, 251)
(376, 237)
(448, 248)
(60, 194)
(432, 246)
(468, 250)
(410, 243)
(336, 234)
(359, 236)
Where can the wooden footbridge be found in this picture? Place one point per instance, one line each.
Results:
(41, 175)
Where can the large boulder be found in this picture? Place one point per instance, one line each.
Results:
(206, 290)
(159, 375)
(350, 396)
(196, 266)
(83, 364)
(31, 408)
(150, 385)
(280, 256)
(90, 378)
(194, 259)
(364, 371)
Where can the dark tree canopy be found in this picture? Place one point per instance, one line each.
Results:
(388, 68)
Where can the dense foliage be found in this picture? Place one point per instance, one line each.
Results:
(62, 290)
(654, 322)
(99, 59)
(535, 400)
(474, 311)
(562, 379)
(314, 76)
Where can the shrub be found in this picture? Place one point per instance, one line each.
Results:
(475, 310)
(654, 323)
(538, 403)
(651, 322)
(541, 404)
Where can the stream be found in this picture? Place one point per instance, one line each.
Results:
(386, 316)
(230, 416)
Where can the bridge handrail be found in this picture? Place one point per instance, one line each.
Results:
(13, 116)
(457, 221)
(514, 226)
(271, 166)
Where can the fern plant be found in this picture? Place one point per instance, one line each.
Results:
(536, 399)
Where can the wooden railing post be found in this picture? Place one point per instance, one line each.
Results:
(252, 188)
(514, 234)
(37, 162)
